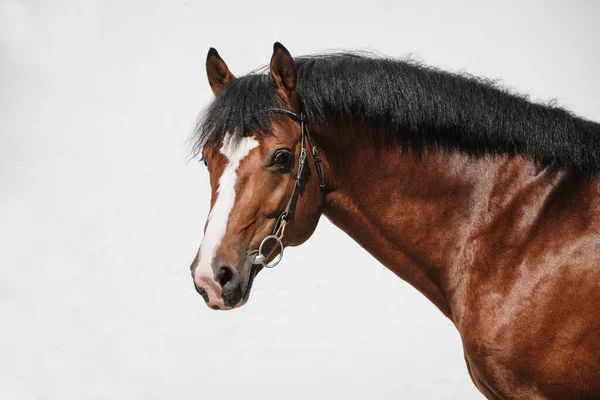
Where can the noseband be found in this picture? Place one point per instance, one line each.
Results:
(286, 216)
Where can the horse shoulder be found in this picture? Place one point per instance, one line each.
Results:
(540, 336)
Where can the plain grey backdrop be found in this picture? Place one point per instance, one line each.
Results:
(101, 212)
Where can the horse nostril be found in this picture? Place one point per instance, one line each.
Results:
(228, 278)
(224, 275)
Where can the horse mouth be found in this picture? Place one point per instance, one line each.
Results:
(254, 269)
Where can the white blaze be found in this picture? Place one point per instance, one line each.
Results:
(219, 215)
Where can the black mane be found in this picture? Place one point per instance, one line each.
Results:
(418, 106)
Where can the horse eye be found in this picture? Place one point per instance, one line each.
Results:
(281, 159)
(204, 161)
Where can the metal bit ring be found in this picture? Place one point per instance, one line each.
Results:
(261, 258)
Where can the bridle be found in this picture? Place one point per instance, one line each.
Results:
(286, 216)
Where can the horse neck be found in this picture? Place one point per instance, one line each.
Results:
(415, 214)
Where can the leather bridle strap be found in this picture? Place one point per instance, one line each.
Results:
(305, 137)
(286, 216)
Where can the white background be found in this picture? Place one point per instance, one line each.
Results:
(101, 213)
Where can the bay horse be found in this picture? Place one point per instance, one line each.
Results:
(485, 202)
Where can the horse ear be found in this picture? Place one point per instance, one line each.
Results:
(217, 71)
(283, 69)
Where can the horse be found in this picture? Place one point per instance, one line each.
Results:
(486, 202)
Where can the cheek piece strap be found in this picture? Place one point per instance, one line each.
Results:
(286, 216)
